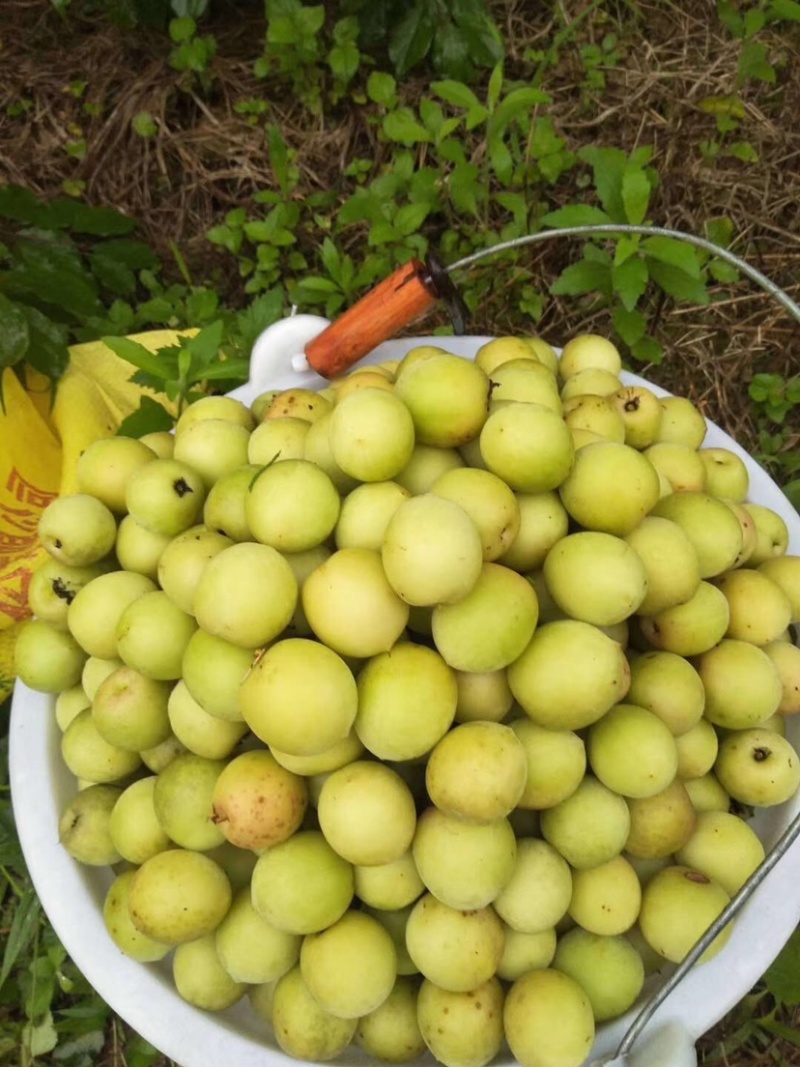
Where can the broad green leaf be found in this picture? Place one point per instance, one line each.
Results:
(754, 20)
(47, 352)
(21, 205)
(402, 126)
(382, 89)
(204, 346)
(139, 356)
(201, 306)
(495, 87)
(630, 325)
(582, 277)
(40, 1037)
(677, 283)
(226, 237)
(518, 102)
(55, 286)
(727, 106)
(647, 350)
(744, 151)
(635, 194)
(629, 280)
(483, 39)
(149, 417)
(784, 9)
(792, 493)
(260, 314)
(410, 217)
(730, 18)
(608, 167)
(117, 277)
(450, 51)
(134, 254)
(65, 213)
(501, 160)
(455, 93)
(575, 215)
(782, 977)
(22, 931)
(674, 252)
(720, 231)
(412, 37)
(627, 246)
(754, 63)
(14, 332)
(227, 369)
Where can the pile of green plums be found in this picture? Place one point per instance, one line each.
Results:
(427, 710)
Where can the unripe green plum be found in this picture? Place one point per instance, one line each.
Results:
(706, 793)
(77, 530)
(710, 525)
(477, 771)
(256, 802)
(350, 605)
(681, 466)
(183, 562)
(632, 751)
(303, 1029)
(488, 501)
(156, 759)
(69, 703)
(589, 350)
(201, 733)
(726, 474)
(670, 687)
(300, 697)
(543, 521)
(391, 1032)
(237, 863)
(432, 551)
(152, 635)
(595, 577)
(548, 1020)
(691, 628)
(130, 710)
(134, 827)
(406, 702)
(784, 571)
(88, 755)
(264, 600)
(178, 895)
(339, 755)
(597, 415)
(365, 514)
(641, 413)
(526, 381)
(462, 1029)
(278, 438)
(556, 696)
(260, 998)
(389, 886)
(199, 977)
(216, 407)
(367, 813)
(303, 564)
(660, 824)
(772, 534)
(213, 669)
(165, 496)
(724, 848)
(464, 864)
(447, 397)
(182, 797)
(95, 612)
(697, 750)
(528, 446)
(611, 488)
(456, 950)
(760, 611)
(123, 933)
(224, 508)
(606, 899)
(678, 906)
(588, 828)
(593, 381)
(608, 969)
(249, 948)
(292, 506)
(53, 587)
(556, 763)
(786, 661)
(84, 826)
(482, 696)
(298, 403)
(394, 921)
(681, 422)
(351, 967)
(670, 563)
(426, 465)
(500, 350)
(371, 435)
(318, 450)
(537, 895)
(301, 885)
(161, 442)
(758, 767)
(525, 952)
(743, 687)
(139, 549)
(46, 658)
(104, 468)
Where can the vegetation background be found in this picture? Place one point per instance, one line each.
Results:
(199, 163)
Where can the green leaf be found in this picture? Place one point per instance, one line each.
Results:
(450, 51)
(412, 37)
(630, 325)
(10, 851)
(149, 417)
(410, 217)
(792, 492)
(21, 205)
(14, 332)
(743, 151)
(629, 280)
(401, 125)
(455, 93)
(201, 306)
(754, 20)
(720, 231)
(677, 283)
(204, 346)
(674, 252)
(134, 254)
(575, 215)
(117, 277)
(730, 18)
(608, 167)
(64, 213)
(495, 87)
(582, 277)
(783, 9)
(47, 352)
(139, 356)
(518, 102)
(382, 89)
(261, 313)
(754, 63)
(40, 1037)
(647, 350)
(782, 977)
(635, 194)
(465, 187)
(23, 929)
(228, 369)
(62, 288)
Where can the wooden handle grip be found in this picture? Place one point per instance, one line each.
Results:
(397, 301)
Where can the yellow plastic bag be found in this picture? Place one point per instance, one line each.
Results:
(39, 450)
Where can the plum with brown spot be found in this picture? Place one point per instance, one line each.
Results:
(257, 803)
